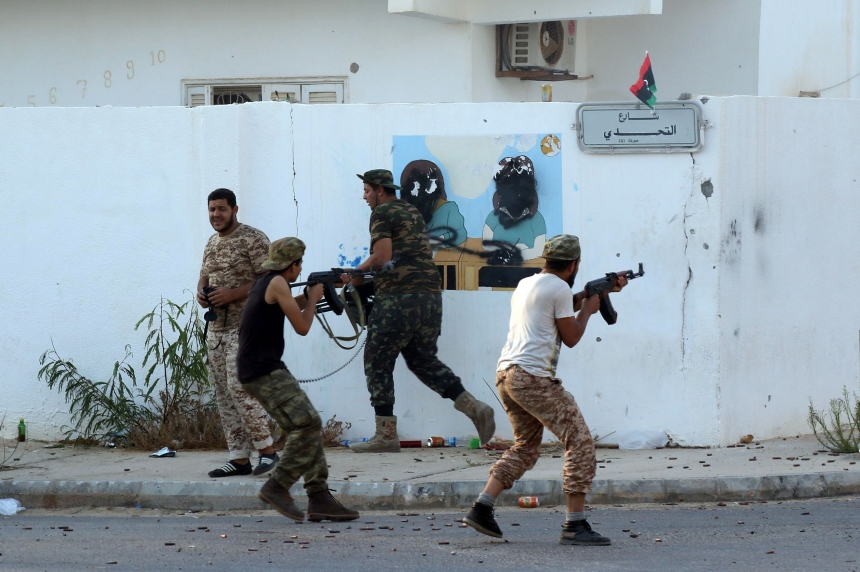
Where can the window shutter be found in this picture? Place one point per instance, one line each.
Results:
(322, 93)
(282, 92)
(197, 96)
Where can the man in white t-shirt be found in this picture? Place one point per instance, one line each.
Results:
(543, 316)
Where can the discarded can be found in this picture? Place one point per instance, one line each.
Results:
(436, 442)
(452, 441)
(546, 92)
(410, 444)
(528, 502)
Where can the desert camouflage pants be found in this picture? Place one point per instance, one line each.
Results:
(533, 403)
(242, 417)
(303, 455)
(407, 324)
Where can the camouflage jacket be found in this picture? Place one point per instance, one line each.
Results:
(411, 268)
(231, 261)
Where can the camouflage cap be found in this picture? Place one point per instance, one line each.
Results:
(562, 247)
(382, 177)
(284, 252)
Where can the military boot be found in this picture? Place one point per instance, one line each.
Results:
(279, 497)
(323, 506)
(383, 441)
(480, 413)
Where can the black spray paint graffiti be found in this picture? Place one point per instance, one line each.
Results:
(498, 252)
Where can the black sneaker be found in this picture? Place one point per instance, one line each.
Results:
(481, 518)
(231, 469)
(267, 463)
(579, 533)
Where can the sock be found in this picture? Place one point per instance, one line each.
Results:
(487, 499)
(384, 410)
(574, 516)
(454, 391)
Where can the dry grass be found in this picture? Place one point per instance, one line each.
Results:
(333, 432)
(198, 430)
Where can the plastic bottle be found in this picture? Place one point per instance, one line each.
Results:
(22, 430)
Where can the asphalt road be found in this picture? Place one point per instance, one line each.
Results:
(808, 535)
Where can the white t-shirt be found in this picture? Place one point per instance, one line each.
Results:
(533, 338)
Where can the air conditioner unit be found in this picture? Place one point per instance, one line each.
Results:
(540, 46)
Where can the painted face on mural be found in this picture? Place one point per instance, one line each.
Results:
(423, 187)
(221, 215)
(516, 198)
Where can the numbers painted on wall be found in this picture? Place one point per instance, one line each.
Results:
(157, 57)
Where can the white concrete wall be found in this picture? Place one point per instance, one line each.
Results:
(789, 310)
(120, 220)
(48, 46)
(105, 212)
(696, 46)
(55, 43)
(809, 46)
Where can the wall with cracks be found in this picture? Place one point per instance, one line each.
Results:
(105, 212)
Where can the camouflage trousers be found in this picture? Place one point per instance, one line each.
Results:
(303, 455)
(243, 419)
(533, 403)
(407, 324)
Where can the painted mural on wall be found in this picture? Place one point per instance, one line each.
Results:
(489, 203)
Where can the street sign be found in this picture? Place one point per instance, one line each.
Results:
(672, 127)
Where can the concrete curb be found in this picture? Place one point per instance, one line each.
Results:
(227, 495)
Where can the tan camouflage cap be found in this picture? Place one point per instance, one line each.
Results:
(562, 247)
(381, 177)
(284, 252)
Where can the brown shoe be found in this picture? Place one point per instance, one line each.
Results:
(279, 497)
(323, 506)
(385, 439)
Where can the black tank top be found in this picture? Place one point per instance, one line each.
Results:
(261, 334)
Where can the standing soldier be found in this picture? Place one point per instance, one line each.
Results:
(407, 314)
(232, 259)
(542, 317)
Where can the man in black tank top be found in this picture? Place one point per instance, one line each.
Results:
(265, 377)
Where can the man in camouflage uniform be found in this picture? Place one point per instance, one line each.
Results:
(542, 317)
(232, 259)
(264, 375)
(407, 314)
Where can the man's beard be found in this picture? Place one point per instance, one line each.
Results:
(228, 225)
(571, 278)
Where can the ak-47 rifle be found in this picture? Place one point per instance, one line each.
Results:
(331, 301)
(602, 287)
(356, 300)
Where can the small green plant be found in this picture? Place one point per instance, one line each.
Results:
(171, 405)
(840, 430)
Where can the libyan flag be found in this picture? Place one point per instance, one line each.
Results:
(645, 88)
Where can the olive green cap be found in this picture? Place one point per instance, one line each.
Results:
(382, 177)
(562, 247)
(284, 252)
